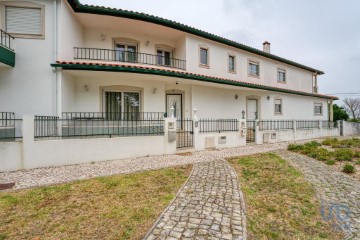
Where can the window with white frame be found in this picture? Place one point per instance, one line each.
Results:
(24, 20)
(278, 106)
(281, 76)
(231, 63)
(254, 69)
(122, 105)
(318, 109)
(204, 56)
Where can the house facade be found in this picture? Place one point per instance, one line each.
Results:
(76, 61)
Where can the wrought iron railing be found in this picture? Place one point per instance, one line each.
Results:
(307, 124)
(276, 125)
(218, 125)
(329, 124)
(97, 124)
(127, 56)
(10, 127)
(6, 40)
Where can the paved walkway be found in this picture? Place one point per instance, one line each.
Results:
(340, 193)
(209, 206)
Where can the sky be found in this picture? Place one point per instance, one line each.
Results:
(323, 34)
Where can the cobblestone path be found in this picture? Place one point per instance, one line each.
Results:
(209, 206)
(339, 193)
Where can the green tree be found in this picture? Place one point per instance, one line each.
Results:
(340, 113)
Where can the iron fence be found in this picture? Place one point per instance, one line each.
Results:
(250, 131)
(46, 126)
(114, 116)
(6, 40)
(218, 125)
(127, 56)
(276, 125)
(307, 124)
(184, 133)
(10, 127)
(329, 124)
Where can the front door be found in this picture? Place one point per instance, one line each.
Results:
(252, 111)
(174, 100)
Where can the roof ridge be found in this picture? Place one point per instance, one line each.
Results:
(96, 9)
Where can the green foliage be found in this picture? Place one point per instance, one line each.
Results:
(330, 141)
(295, 147)
(339, 113)
(330, 162)
(343, 154)
(312, 144)
(348, 168)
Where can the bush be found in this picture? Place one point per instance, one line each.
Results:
(321, 154)
(357, 154)
(358, 162)
(295, 147)
(343, 154)
(348, 168)
(312, 144)
(330, 141)
(330, 162)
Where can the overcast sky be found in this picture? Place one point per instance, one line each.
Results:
(323, 34)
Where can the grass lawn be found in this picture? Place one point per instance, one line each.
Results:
(114, 207)
(342, 155)
(280, 204)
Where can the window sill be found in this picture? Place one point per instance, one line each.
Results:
(204, 66)
(281, 82)
(254, 76)
(232, 72)
(27, 36)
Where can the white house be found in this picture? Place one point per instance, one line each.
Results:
(86, 63)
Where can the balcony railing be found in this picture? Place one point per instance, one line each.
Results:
(6, 40)
(127, 56)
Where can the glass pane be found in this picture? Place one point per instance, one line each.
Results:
(167, 58)
(131, 105)
(120, 53)
(113, 105)
(159, 57)
(203, 56)
(131, 51)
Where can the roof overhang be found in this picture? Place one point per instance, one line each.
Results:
(90, 9)
(177, 74)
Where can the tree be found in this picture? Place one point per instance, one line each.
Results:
(340, 113)
(352, 106)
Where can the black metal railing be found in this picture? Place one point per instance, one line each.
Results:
(10, 127)
(6, 40)
(184, 133)
(307, 124)
(127, 56)
(276, 125)
(329, 124)
(250, 131)
(218, 125)
(113, 116)
(46, 126)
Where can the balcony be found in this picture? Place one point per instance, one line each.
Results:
(128, 57)
(7, 53)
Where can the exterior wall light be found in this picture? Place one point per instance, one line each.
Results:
(154, 90)
(268, 97)
(243, 114)
(86, 88)
(236, 97)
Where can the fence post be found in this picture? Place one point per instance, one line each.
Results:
(196, 130)
(295, 129)
(341, 127)
(169, 129)
(28, 139)
(320, 124)
(242, 131)
(258, 139)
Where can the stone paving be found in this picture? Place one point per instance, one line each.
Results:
(209, 206)
(339, 193)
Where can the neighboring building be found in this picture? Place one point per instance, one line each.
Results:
(72, 57)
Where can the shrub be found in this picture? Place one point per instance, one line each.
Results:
(348, 168)
(312, 144)
(343, 154)
(330, 141)
(358, 162)
(330, 162)
(357, 154)
(295, 147)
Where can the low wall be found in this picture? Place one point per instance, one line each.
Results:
(11, 156)
(350, 128)
(219, 140)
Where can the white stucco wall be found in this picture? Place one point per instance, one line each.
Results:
(29, 87)
(351, 128)
(297, 79)
(11, 158)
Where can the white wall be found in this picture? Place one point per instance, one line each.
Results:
(11, 156)
(29, 87)
(297, 79)
(350, 128)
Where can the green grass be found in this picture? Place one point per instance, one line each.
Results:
(280, 204)
(115, 207)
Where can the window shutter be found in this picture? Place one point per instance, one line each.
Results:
(23, 20)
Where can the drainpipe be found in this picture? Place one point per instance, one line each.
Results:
(55, 76)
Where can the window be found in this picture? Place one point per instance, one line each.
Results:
(24, 19)
(318, 109)
(231, 63)
(204, 56)
(163, 57)
(254, 70)
(126, 52)
(278, 106)
(281, 76)
(122, 105)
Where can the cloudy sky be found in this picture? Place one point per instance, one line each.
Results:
(323, 34)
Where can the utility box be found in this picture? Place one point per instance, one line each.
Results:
(171, 136)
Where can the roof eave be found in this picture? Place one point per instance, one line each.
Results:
(78, 7)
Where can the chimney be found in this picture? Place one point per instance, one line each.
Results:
(266, 47)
